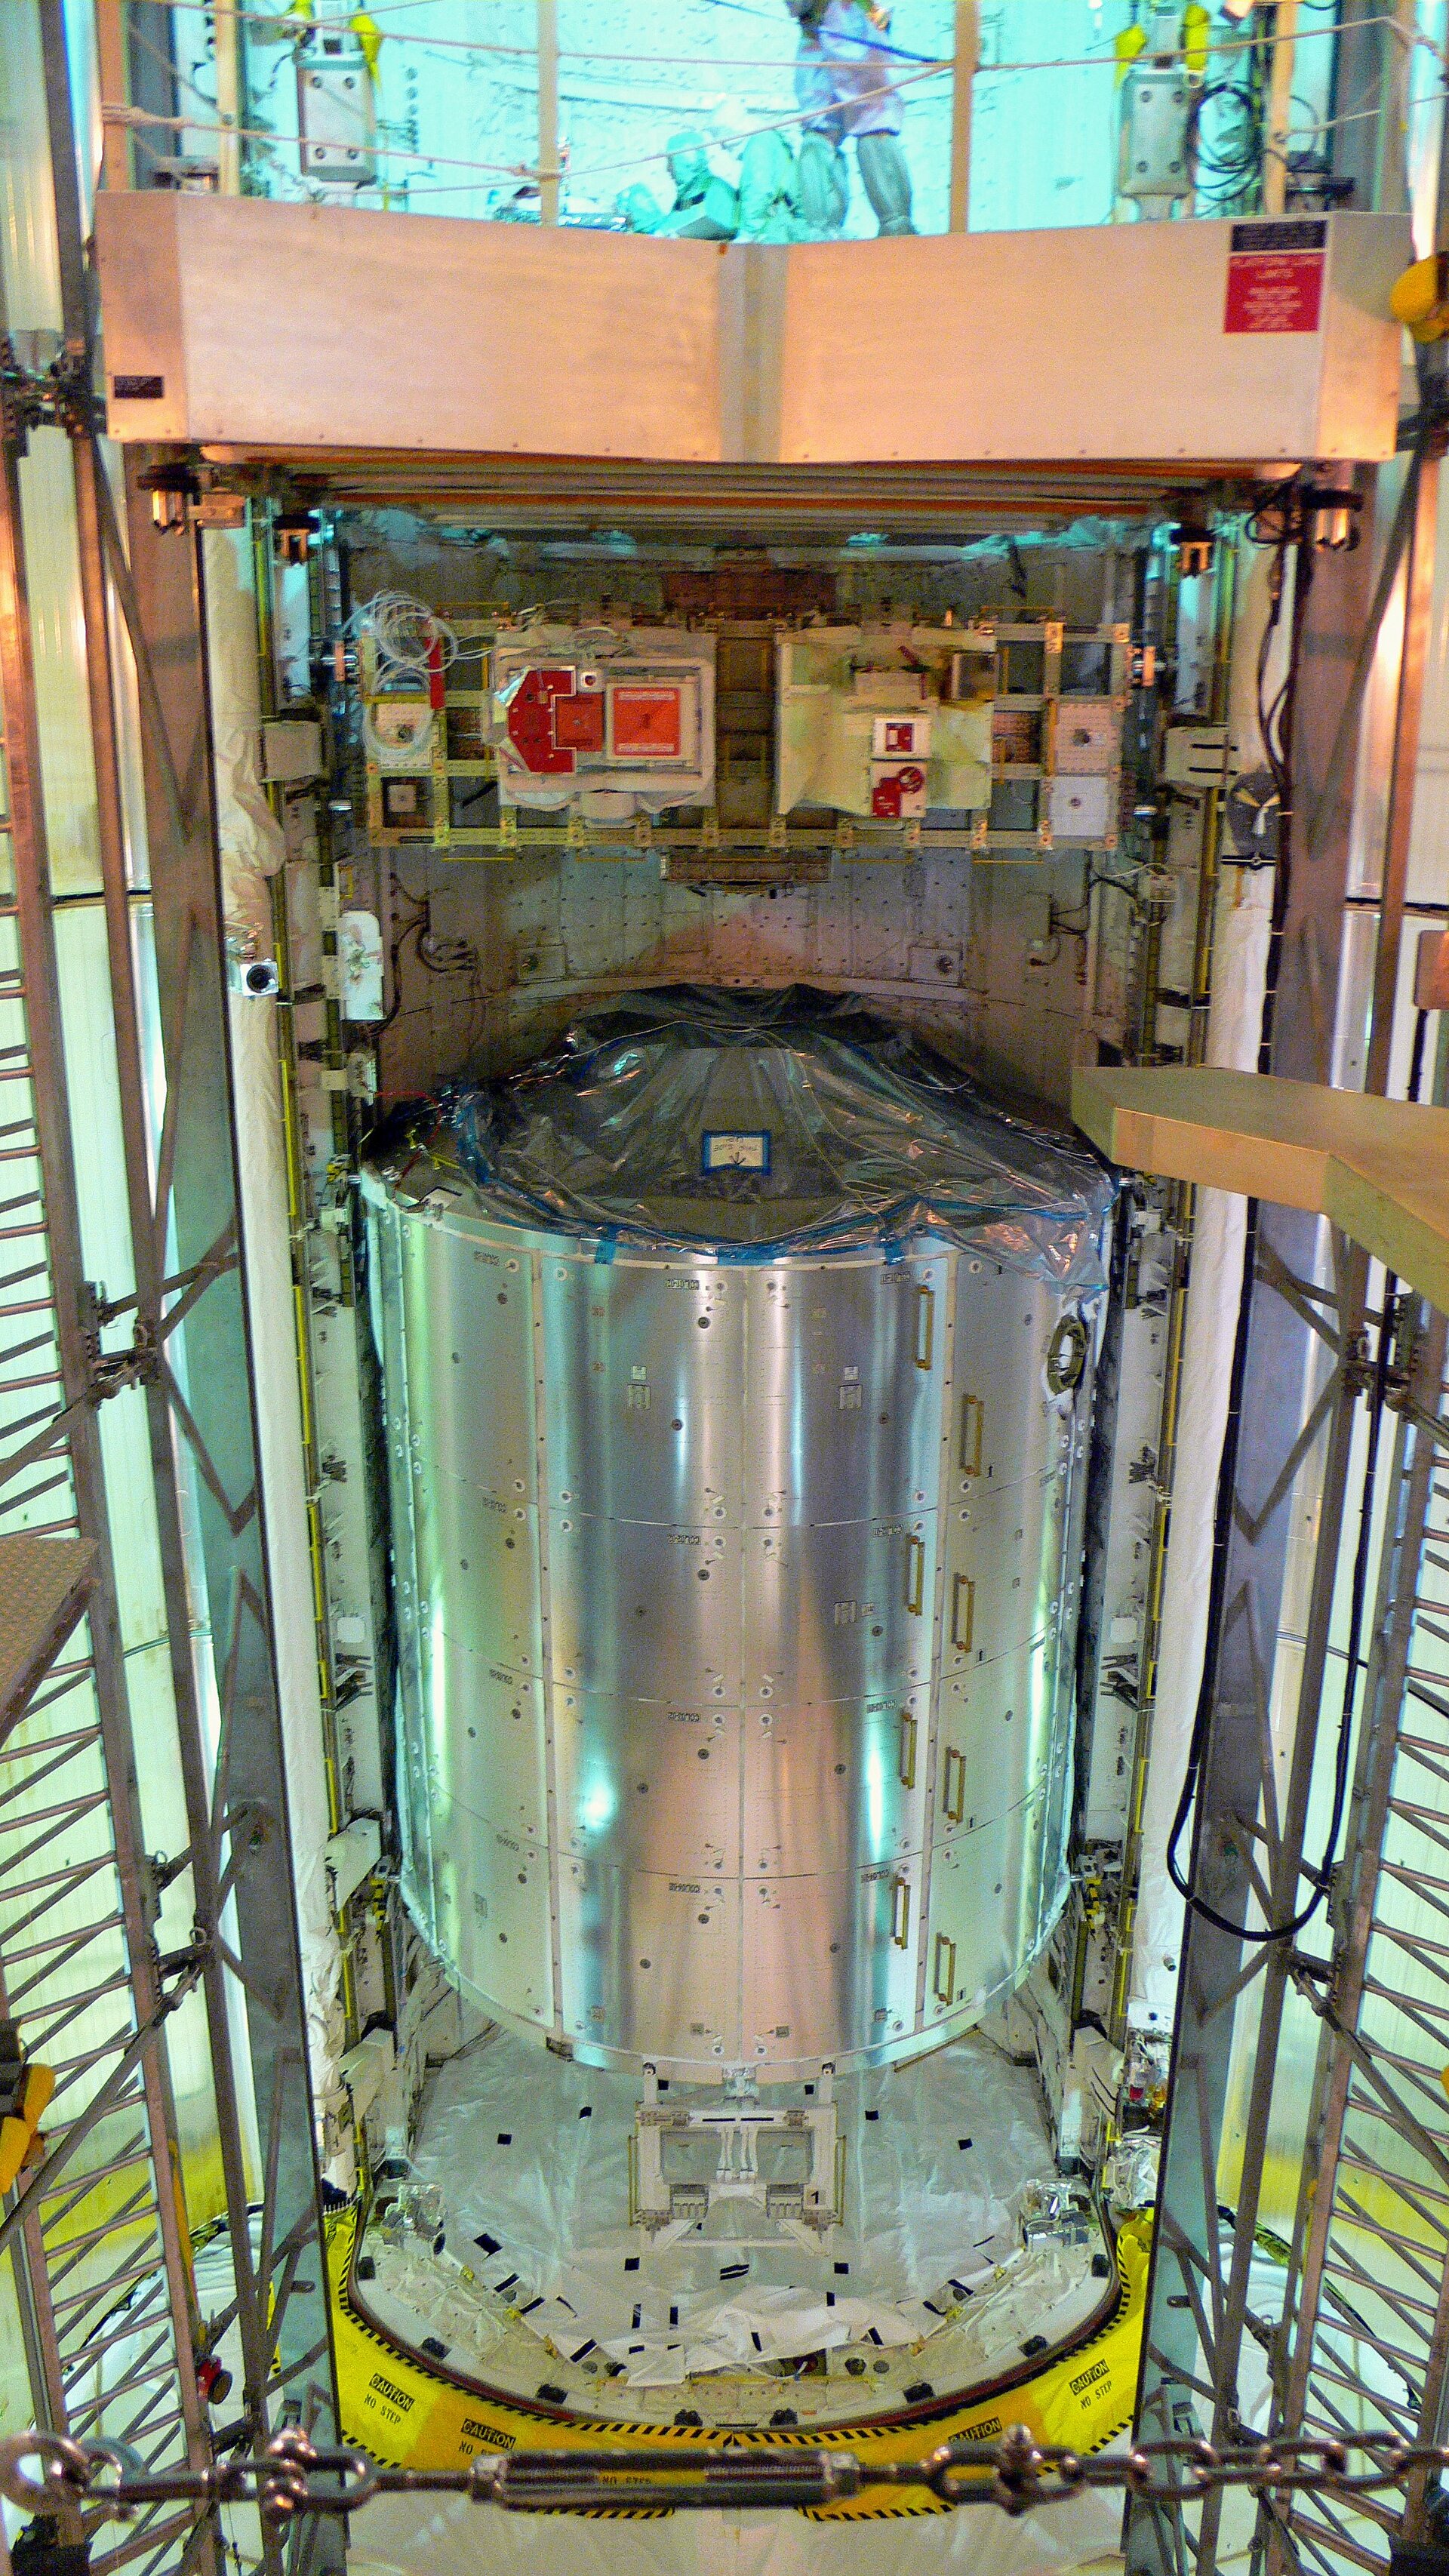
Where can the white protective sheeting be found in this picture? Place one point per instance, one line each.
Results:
(532, 2158)
(1240, 954)
(449, 2538)
(251, 845)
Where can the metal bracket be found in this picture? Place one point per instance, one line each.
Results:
(59, 397)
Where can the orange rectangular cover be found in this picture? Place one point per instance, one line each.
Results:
(645, 723)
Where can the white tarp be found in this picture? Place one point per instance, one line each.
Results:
(251, 844)
(531, 2157)
(407, 2533)
(1240, 952)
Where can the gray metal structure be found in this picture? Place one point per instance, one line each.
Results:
(737, 1608)
(1353, 2322)
(1368, 2268)
(96, 2224)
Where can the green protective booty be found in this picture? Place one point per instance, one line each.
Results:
(886, 177)
(767, 191)
(640, 209)
(713, 217)
(822, 187)
(688, 161)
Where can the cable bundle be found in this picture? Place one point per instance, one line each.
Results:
(406, 636)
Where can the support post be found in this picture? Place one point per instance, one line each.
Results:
(966, 59)
(549, 170)
(226, 31)
(1280, 108)
(111, 51)
(1408, 712)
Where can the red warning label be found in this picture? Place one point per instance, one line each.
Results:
(1275, 276)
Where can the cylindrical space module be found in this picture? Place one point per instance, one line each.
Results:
(736, 1366)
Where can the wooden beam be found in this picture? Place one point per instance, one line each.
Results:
(1379, 1169)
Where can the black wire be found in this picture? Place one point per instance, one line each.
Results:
(1319, 1877)
(1276, 724)
(394, 953)
(1217, 1586)
(1276, 728)
(1416, 1056)
(1233, 170)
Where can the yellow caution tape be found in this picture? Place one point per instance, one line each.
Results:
(409, 2416)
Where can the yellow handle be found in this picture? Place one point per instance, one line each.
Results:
(973, 1424)
(925, 1326)
(953, 1786)
(906, 1757)
(915, 1574)
(943, 1972)
(901, 1912)
(963, 1589)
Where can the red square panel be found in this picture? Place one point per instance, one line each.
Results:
(646, 722)
(578, 724)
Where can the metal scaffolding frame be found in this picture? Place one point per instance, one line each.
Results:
(95, 2227)
(1369, 2294)
(1360, 2343)
(96, 2223)
(1250, 1865)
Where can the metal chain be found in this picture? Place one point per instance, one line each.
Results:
(46, 2474)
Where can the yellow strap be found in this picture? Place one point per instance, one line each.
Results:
(15, 2137)
(1196, 23)
(36, 2087)
(369, 36)
(1131, 42)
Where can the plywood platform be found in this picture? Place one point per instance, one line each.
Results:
(281, 327)
(1377, 1168)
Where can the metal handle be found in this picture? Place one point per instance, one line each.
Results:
(953, 1786)
(906, 1755)
(925, 1326)
(943, 1970)
(962, 1590)
(973, 1424)
(915, 1574)
(901, 1912)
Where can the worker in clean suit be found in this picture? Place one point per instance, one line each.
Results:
(844, 80)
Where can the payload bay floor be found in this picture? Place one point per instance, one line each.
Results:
(541, 2285)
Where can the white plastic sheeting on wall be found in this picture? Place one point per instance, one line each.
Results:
(939, 2157)
(400, 2533)
(1239, 966)
(251, 848)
